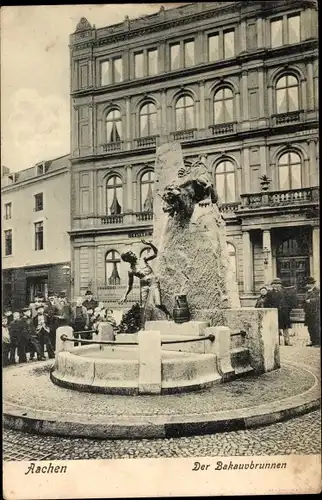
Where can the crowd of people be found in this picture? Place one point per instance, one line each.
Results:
(284, 300)
(33, 329)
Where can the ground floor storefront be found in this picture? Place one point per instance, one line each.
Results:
(20, 285)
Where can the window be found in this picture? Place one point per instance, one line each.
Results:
(8, 242)
(189, 53)
(213, 48)
(148, 120)
(232, 260)
(293, 29)
(105, 75)
(114, 195)
(175, 56)
(229, 44)
(287, 94)
(112, 71)
(112, 266)
(285, 30)
(289, 171)
(39, 236)
(139, 65)
(152, 62)
(39, 202)
(184, 111)
(146, 197)
(113, 126)
(117, 70)
(225, 181)
(7, 210)
(277, 33)
(223, 106)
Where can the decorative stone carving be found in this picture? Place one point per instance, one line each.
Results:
(83, 25)
(193, 257)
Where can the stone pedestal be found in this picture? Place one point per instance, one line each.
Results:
(150, 362)
(63, 345)
(190, 328)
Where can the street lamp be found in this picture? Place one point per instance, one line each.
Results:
(67, 272)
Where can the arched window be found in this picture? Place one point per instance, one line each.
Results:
(223, 106)
(146, 186)
(225, 181)
(113, 126)
(289, 171)
(148, 120)
(114, 196)
(112, 267)
(184, 110)
(232, 260)
(287, 94)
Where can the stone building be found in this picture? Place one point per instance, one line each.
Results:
(234, 82)
(35, 225)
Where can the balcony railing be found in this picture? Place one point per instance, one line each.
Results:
(184, 135)
(229, 208)
(110, 147)
(143, 216)
(112, 219)
(145, 142)
(291, 117)
(281, 198)
(223, 128)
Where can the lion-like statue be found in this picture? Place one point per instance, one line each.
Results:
(181, 199)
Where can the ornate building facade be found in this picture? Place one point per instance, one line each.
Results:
(35, 224)
(234, 82)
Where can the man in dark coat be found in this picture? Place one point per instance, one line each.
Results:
(279, 299)
(33, 340)
(90, 305)
(41, 325)
(312, 312)
(18, 339)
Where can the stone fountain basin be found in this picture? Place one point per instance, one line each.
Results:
(116, 370)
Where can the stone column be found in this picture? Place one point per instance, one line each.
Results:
(261, 88)
(246, 188)
(262, 156)
(312, 171)
(129, 189)
(62, 345)
(247, 262)
(303, 89)
(164, 125)
(270, 100)
(242, 36)
(316, 253)
(202, 124)
(260, 33)
(316, 84)
(245, 101)
(310, 87)
(268, 268)
(76, 270)
(127, 119)
(237, 107)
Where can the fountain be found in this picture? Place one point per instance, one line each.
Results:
(215, 340)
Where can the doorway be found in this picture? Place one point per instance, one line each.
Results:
(36, 285)
(293, 259)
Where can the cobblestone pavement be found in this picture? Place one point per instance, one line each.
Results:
(301, 435)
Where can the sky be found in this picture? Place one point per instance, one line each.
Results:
(35, 75)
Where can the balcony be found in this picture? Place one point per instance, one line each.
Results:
(184, 135)
(285, 118)
(111, 147)
(112, 219)
(223, 128)
(229, 208)
(143, 216)
(281, 198)
(146, 142)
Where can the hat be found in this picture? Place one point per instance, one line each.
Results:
(63, 294)
(310, 281)
(276, 281)
(8, 313)
(89, 292)
(52, 294)
(38, 306)
(24, 309)
(264, 287)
